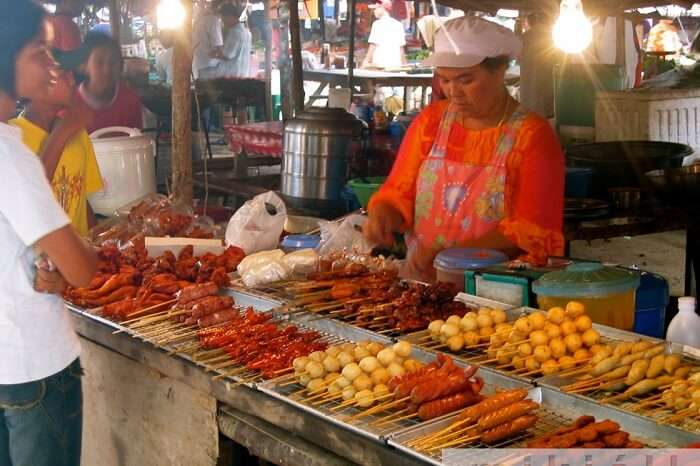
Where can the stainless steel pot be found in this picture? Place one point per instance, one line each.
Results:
(317, 144)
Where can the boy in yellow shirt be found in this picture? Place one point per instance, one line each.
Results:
(64, 146)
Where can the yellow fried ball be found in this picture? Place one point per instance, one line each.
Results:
(449, 330)
(557, 347)
(553, 330)
(556, 315)
(435, 326)
(537, 320)
(504, 328)
(380, 376)
(568, 327)
(484, 320)
(575, 309)
(583, 323)
(523, 326)
(525, 349)
(471, 338)
(454, 319)
(566, 362)
(504, 356)
(497, 340)
(455, 343)
(532, 364)
(573, 342)
(411, 365)
(550, 367)
(486, 331)
(591, 338)
(582, 355)
(539, 338)
(468, 323)
(518, 362)
(499, 316)
(594, 349)
(542, 353)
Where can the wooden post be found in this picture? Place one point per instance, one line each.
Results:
(351, 52)
(269, 111)
(283, 61)
(322, 16)
(297, 70)
(182, 111)
(115, 19)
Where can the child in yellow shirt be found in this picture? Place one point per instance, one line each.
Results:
(64, 146)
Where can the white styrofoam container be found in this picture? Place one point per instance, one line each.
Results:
(669, 115)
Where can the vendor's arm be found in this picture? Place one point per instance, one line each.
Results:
(368, 56)
(398, 193)
(76, 118)
(534, 223)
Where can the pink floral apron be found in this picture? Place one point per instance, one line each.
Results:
(457, 202)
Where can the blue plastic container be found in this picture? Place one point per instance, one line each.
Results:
(578, 182)
(456, 265)
(652, 299)
(293, 243)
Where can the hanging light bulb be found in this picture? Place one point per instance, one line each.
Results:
(171, 14)
(572, 31)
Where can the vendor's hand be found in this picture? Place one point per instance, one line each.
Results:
(51, 282)
(382, 223)
(75, 118)
(419, 264)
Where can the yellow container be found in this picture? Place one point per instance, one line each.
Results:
(608, 293)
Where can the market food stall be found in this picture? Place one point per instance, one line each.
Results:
(342, 361)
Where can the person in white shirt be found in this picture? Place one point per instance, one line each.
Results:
(40, 388)
(164, 60)
(237, 44)
(387, 40)
(207, 41)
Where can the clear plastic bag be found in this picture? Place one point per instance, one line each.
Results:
(255, 260)
(264, 273)
(302, 261)
(258, 224)
(343, 237)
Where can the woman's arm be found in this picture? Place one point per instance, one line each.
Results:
(535, 220)
(73, 258)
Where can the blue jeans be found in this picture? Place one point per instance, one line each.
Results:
(41, 422)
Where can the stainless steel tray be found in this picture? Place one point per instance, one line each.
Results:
(363, 426)
(557, 410)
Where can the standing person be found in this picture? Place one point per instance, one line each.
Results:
(237, 44)
(64, 146)
(475, 170)
(207, 41)
(112, 101)
(387, 40)
(66, 35)
(40, 388)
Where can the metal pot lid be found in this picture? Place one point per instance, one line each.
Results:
(585, 280)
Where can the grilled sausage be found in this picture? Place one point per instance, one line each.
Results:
(439, 407)
(492, 403)
(506, 414)
(509, 429)
(210, 305)
(193, 292)
(433, 389)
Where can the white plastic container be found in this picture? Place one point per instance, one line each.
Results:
(668, 115)
(685, 327)
(127, 165)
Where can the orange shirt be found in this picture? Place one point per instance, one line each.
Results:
(534, 185)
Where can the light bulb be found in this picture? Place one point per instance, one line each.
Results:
(572, 31)
(171, 14)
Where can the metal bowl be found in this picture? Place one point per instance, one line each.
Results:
(676, 186)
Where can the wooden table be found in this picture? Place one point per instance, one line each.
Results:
(366, 81)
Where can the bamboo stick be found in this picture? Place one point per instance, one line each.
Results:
(379, 408)
(145, 311)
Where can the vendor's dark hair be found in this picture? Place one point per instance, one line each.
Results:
(20, 23)
(494, 63)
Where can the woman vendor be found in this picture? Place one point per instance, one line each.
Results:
(474, 170)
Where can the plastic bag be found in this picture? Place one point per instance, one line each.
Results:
(259, 258)
(344, 236)
(302, 261)
(253, 228)
(264, 273)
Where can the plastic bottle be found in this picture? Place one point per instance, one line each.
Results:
(685, 327)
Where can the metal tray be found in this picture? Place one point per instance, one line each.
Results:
(558, 409)
(363, 426)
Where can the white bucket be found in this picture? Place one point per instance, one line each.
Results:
(127, 165)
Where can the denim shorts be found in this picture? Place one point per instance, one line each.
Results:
(41, 421)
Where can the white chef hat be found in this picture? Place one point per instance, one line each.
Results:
(467, 41)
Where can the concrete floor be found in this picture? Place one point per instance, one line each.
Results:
(662, 253)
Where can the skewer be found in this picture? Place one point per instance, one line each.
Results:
(131, 321)
(231, 374)
(327, 400)
(465, 441)
(448, 438)
(435, 435)
(394, 420)
(145, 311)
(379, 408)
(344, 404)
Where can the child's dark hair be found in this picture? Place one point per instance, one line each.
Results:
(94, 40)
(20, 23)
